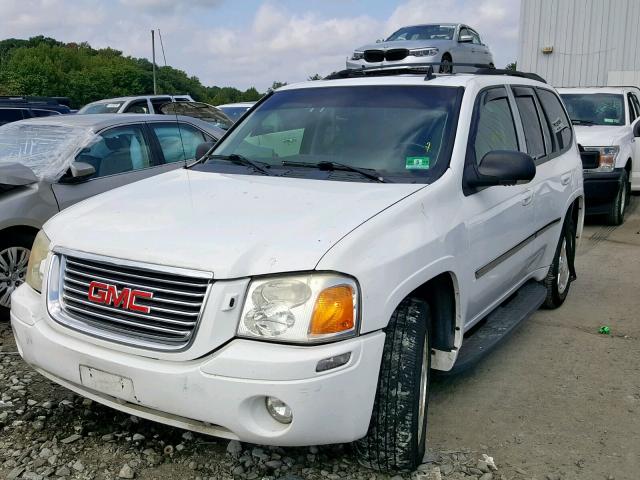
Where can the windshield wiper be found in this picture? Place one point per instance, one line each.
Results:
(242, 160)
(325, 165)
(579, 121)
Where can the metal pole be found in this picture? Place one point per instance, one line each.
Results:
(153, 52)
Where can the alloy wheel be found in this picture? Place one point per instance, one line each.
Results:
(563, 268)
(13, 270)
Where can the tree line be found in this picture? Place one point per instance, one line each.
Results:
(42, 66)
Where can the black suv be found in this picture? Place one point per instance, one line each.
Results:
(19, 108)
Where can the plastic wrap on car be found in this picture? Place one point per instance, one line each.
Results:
(47, 149)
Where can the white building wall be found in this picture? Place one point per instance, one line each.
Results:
(595, 42)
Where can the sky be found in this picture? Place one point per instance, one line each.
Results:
(245, 43)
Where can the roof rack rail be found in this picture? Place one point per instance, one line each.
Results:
(513, 73)
(35, 99)
(425, 68)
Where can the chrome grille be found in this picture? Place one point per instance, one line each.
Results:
(166, 320)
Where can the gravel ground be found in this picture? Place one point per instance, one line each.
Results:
(557, 401)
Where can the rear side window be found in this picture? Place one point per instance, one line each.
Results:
(494, 127)
(559, 124)
(177, 142)
(531, 121)
(8, 115)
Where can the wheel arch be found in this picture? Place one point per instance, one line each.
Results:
(442, 294)
(15, 230)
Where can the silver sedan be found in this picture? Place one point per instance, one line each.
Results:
(48, 164)
(431, 43)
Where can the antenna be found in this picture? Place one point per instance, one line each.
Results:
(153, 53)
(162, 46)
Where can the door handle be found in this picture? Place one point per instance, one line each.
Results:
(527, 197)
(565, 179)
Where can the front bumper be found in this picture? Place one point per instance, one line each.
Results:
(360, 64)
(600, 190)
(222, 393)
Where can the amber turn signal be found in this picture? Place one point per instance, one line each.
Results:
(333, 311)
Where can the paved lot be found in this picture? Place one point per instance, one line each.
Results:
(556, 401)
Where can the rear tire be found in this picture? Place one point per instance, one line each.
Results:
(396, 438)
(619, 205)
(14, 253)
(559, 277)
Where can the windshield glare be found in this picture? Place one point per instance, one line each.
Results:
(424, 32)
(399, 131)
(107, 107)
(595, 108)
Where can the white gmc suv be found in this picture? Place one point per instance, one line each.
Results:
(607, 122)
(297, 285)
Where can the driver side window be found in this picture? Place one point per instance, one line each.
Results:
(118, 150)
(494, 127)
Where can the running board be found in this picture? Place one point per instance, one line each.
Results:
(499, 324)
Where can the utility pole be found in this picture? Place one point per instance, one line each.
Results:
(153, 52)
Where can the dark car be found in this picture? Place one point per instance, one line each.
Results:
(13, 109)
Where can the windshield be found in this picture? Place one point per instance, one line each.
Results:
(424, 32)
(234, 113)
(595, 108)
(48, 149)
(404, 133)
(105, 107)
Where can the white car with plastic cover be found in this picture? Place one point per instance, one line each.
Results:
(298, 283)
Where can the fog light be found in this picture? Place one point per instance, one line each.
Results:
(333, 362)
(279, 410)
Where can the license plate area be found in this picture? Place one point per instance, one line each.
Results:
(107, 383)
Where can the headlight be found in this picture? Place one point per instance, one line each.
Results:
(608, 157)
(357, 55)
(423, 52)
(35, 269)
(300, 308)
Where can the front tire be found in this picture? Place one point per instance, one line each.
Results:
(396, 439)
(446, 64)
(619, 206)
(14, 256)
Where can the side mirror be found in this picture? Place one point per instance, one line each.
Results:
(502, 167)
(81, 170)
(465, 39)
(590, 159)
(636, 129)
(203, 148)
(77, 172)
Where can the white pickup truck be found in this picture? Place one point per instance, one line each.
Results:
(297, 285)
(607, 121)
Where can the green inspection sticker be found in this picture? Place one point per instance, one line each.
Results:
(418, 163)
(610, 120)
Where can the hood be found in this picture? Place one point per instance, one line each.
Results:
(599, 135)
(403, 44)
(16, 175)
(232, 225)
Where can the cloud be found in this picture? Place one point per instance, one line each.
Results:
(273, 42)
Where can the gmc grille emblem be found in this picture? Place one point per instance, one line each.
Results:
(125, 299)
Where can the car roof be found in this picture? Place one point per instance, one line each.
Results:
(455, 80)
(139, 97)
(237, 104)
(587, 90)
(99, 121)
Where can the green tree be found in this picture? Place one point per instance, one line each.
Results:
(43, 66)
(511, 66)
